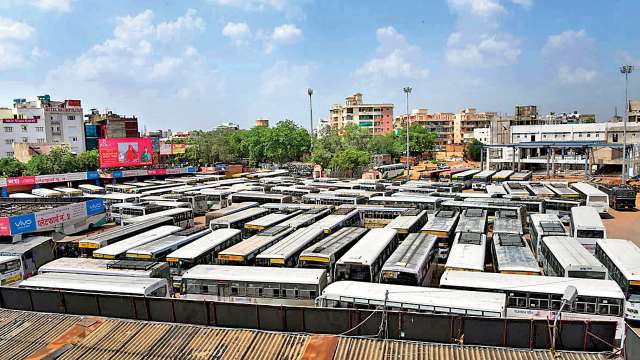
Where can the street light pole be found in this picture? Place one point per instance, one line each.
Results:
(407, 90)
(310, 92)
(626, 70)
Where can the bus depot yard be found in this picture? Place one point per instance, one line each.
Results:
(496, 254)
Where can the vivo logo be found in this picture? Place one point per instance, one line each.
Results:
(23, 223)
(95, 206)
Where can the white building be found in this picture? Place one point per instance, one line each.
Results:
(42, 121)
(559, 132)
(483, 135)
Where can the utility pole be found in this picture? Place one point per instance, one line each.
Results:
(626, 70)
(407, 90)
(310, 92)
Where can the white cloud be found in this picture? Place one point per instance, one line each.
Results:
(524, 3)
(483, 8)
(292, 9)
(395, 59)
(286, 34)
(238, 32)
(188, 22)
(53, 5)
(284, 78)
(490, 50)
(14, 30)
(571, 52)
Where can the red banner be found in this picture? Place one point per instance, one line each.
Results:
(125, 152)
(157, 171)
(20, 121)
(5, 227)
(22, 180)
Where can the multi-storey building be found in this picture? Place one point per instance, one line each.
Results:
(526, 115)
(569, 118)
(113, 125)
(376, 118)
(42, 122)
(469, 119)
(439, 123)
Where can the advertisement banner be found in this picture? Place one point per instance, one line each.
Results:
(125, 152)
(5, 228)
(22, 224)
(95, 206)
(20, 121)
(93, 175)
(22, 180)
(157, 172)
(178, 148)
(56, 216)
(165, 149)
(155, 144)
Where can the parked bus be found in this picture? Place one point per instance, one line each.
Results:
(429, 203)
(540, 297)
(358, 295)
(90, 266)
(245, 252)
(472, 220)
(268, 285)
(482, 179)
(413, 262)
(46, 193)
(117, 198)
(231, 209)
(587, 227)
(495, 190)
(69, 192)
(521, 176)
(157, 250)
(516, 188)
(285, 252)
(307, 218)
(327, 198)
(561, 207)
(442, 225)
(507, 222)
(101, 284)
(23, 196)
(11, 269)
(410, 221)
(90, 189)
(539, 190)
(120, 211)
(182, 217)
(564, 256)
(264, 222)
(531, 204)
(259, 197)
(592, 197)
(621, 258)
(391, 171)
(197, 202)
(562, 190)
(33, 252)
(340, 218)
(202, 251)
(326, 252)
(502, 175)
(119, 188)
(464, 177)
(365, 259)
(620, 196)
(119, 233)
(237, 220)
(543, 225)
(118, 249)
(467, 252)
(512, 255)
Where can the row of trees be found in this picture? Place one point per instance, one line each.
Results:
(58, 161)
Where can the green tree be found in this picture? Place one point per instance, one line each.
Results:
(287, 142)
(472, 150)
(88, 161)
(349, 160)
(10, 167)
(420, 140)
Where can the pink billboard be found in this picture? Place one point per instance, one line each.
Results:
(125, 152)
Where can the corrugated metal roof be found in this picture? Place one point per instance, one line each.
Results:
(24, 333)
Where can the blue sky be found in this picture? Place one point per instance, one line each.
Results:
(195, 64)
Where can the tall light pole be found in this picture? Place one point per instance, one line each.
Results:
(407, 90)
(310, 92)
(625, 70)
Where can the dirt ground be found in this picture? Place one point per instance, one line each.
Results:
(624, 224)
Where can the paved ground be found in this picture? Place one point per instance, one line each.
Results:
(624, 224)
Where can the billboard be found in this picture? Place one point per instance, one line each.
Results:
(178, 148)
(125, 152)
(165, 149)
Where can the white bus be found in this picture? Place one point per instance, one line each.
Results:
(562, 190)
(543, 225)
(495, 190)
(119, 188)
(516, 188)
(564, 256)
(339, 219)
(182, 217)
(413, 262)
(237, 220)
(467, 252)
(539, 190)
(622, 258)
(90, 266)
(157, 250)
(365, 259)
(23, 196)
(592, 196)
(587, 226)
(102, 284)
(354, 294)
(410, 221)
(91, 189)
(245, 252)
(264, 222)
(202, 251)
(47, 193)
(472, 220)
(67, 191)
(286, 251)
(270, 285)
(305, 219)
(326, 252)
(118, 249)
(512, 255)
(11, 269)
(481, 179)
(539, 297)
(502, 175)
(231, 209)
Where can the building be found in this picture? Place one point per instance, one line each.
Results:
(228, 126)
(469, 119)
(439, 123)
(569, 118)
(376, 118)
(262, 122)
(634, 111)
(111, 125)
(41, 122)
(559, 132)
(483, 135)
(526, 115)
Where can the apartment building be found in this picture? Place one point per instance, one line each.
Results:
(559, 132)
(376, 118)
(469, 119)
(526, 115)
(439, 123)
(42, 121)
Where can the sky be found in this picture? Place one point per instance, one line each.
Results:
(195, 64)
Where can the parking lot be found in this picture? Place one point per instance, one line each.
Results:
(624, 224)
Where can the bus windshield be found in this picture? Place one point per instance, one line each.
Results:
(634, 293)
(9, 266)
(590, 234)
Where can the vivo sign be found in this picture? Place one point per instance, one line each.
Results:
(22, 224)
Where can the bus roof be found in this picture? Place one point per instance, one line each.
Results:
(120, 196)
(587, 189)
(167, 213)
(255, 274)
(270, 220)
(92, 266)
(522, 175)
(406, 199)
(94, 283)
(586, 217)
(367, 249)
(90, 187)
(507, 221)
(239, 216)
(233, 208)
(122, 246)
(305, 219)
(204, 244)
(292, 243)
(260, 195)
(624, 254)
(411, 254)
(21, 247)
(548, 224)
(423, 298)
(465, 174)
(472, 220)
(561, 188)
(513, 254)
(405, 222)
(327, 247)
(528, 283)
(539, 189)
(467, 252)
(328, 222)
(495, 189)
(120, 231)
(256, 242)
(502, 175)
(165, 243)
(443, 220)
(484, 174)
(571, 254)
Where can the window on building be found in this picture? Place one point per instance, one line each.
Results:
(588, 135)
(8, 129)
(39, 128)
(74, 139)
(25, 140)
(23, 127)
(10, 154)
(8, 141)
(71, 117)
(614, 137)
(51, 117)
(40, 141)
(36, 117)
